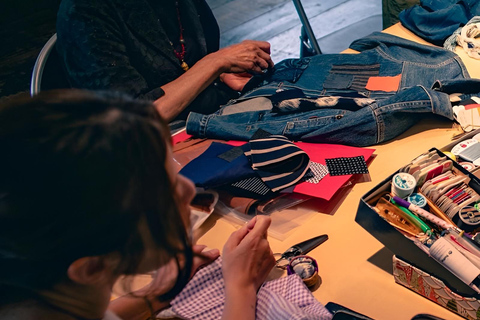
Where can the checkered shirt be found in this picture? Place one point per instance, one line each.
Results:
(286, 298)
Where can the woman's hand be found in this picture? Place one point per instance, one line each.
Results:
(247, 257)
(247, 56)
(236, 81)
(202, 257)
(247, 261)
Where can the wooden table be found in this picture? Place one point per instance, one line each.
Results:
(348, 278)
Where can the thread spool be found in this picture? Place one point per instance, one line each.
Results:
(468, 218)
(403, 184)
(418, 200)
(467, 165)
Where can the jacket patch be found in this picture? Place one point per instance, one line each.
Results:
(387, 84)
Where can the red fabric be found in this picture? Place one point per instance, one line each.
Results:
(181, 136)
(329, 185)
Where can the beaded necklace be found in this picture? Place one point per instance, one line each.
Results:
(180, 55)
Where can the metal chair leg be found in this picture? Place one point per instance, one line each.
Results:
(308, 43)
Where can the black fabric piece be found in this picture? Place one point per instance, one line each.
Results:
(372, 69)
(343, 166)
(286, 95)
(465, 102)
(260, 134)
(231, 154)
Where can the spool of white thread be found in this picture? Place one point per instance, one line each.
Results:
(403, 184)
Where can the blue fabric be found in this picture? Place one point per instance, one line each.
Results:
(389, 114)
(209, 171)
(436, 20)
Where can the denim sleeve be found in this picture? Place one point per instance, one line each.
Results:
(372, 124)
(436, 20)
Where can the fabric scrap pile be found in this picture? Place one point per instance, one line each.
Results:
(249, 176)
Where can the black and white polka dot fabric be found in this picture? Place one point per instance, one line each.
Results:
(343, 166)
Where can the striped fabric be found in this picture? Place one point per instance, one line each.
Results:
(360, 73)
(254, 184)
(277, 161)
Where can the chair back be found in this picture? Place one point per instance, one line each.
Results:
(48, 71)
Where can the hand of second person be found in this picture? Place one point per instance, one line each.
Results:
(236, 81)
(247, 56)
(247, 257)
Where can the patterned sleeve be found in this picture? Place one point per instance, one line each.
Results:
(91, 44)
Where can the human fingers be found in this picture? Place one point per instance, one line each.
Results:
(251, 223)
(260, 64)
(268, 59)
(262, 50)
(261, 226)
(203, 257)
(263, 45)
(198, 248)
(237, 236)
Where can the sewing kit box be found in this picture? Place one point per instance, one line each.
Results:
(412, 267)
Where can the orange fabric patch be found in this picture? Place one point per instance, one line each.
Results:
(472, 106)
(383, 83)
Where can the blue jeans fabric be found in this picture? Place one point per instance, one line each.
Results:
(418, 64)
(436, 20)
(390, 115)
(378, 122)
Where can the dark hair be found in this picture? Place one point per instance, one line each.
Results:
(78, 170)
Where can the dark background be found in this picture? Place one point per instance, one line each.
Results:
(25, 26)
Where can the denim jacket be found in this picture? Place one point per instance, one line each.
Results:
(411, 69)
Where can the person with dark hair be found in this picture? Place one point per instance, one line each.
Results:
(163, 51)
(88, 193)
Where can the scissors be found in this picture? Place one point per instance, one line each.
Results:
(283, 259)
